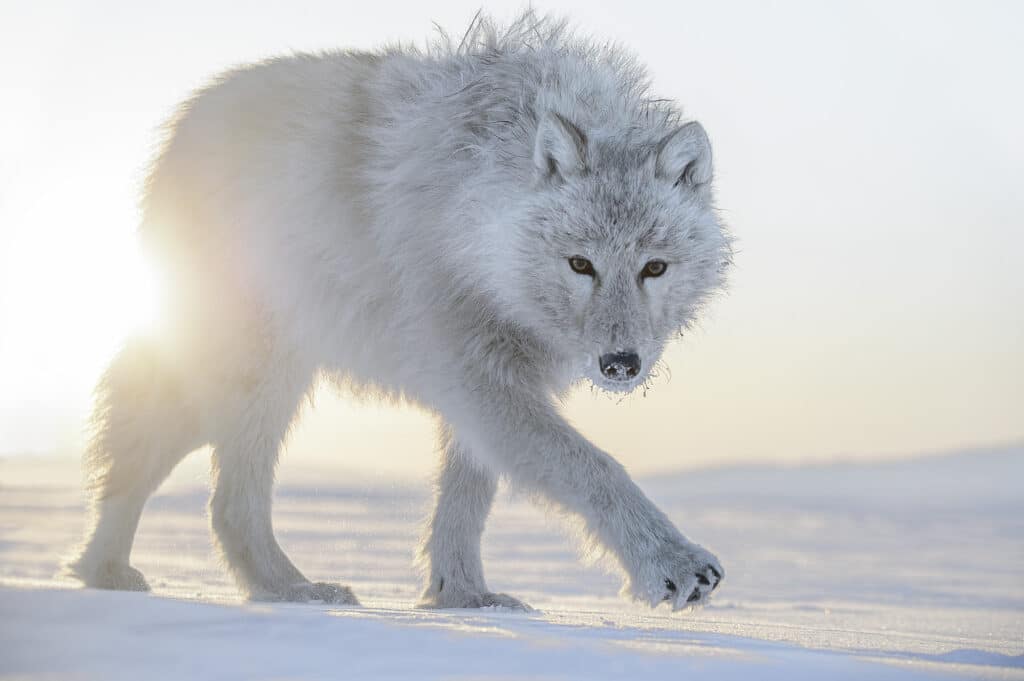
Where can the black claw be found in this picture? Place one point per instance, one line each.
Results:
(670, 585)
(718, 575)
(701, 579)
(695, 596)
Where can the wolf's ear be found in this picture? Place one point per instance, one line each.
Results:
(684, 156)
(560, 149)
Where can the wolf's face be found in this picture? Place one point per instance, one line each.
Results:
(625, 248)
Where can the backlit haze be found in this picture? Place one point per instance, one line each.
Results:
(869, 159)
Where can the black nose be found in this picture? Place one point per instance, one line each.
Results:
(620, 366)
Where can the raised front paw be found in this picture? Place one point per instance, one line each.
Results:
(682, 574)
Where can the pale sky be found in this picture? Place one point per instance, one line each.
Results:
(869, 159)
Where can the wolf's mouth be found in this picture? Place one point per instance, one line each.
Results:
(617, 386)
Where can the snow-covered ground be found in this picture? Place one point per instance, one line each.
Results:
(890, 570)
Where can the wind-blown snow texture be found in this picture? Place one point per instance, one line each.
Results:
(893, 570)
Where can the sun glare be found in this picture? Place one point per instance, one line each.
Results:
(69, 298)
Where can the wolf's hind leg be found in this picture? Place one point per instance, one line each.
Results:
(143, 429)
(244, 460)
(450, 552)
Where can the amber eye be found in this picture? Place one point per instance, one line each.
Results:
(581, 265)
(654, 268)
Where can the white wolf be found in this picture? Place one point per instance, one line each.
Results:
(472, 227)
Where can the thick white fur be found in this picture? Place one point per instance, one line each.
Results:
(400, 222)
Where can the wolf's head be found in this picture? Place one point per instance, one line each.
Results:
(620, 247)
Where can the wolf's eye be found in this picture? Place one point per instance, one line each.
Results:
(581, 265)
(654, 268)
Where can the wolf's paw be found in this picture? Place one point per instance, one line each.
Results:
(457, 598)
(114, 576)
(307, 592)
(682, 574)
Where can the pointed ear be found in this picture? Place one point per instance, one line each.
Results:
(684, 156)
(560, 149)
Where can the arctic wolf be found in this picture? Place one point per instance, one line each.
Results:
(473, 227)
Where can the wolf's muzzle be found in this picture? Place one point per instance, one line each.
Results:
(620, 366)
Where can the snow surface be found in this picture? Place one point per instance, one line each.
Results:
(901, 570)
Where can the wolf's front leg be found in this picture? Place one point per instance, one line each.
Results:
(450, 552)
(538, 449)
